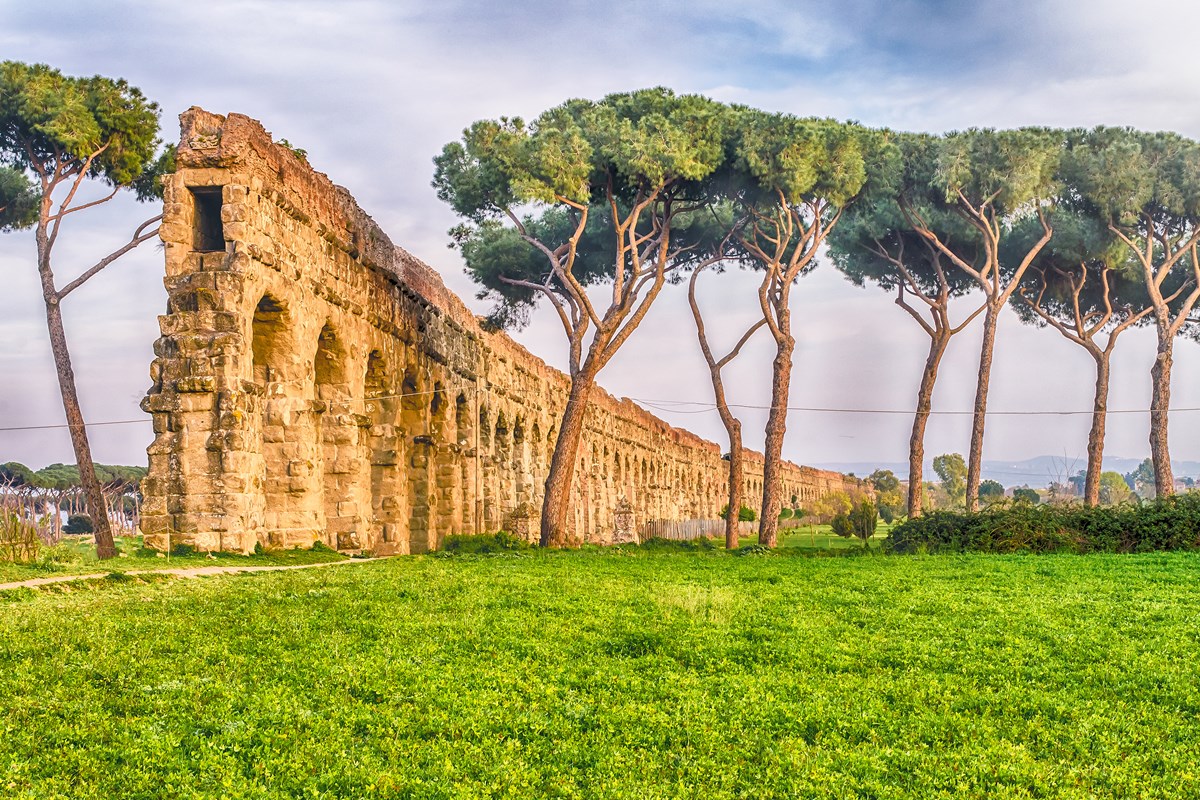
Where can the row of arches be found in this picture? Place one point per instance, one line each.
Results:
(369, 445)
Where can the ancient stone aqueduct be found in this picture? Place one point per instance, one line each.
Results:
(314, 382)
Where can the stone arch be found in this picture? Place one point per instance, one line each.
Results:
(415, 422)
(445, 480)
(270, 341)
(338, 437)
(500, 439)
(502, 455)
(522, 464)
(465, 435)
(385, 474)
(486, 470)
(437, 403)
(285, 465)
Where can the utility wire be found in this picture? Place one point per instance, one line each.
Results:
(673, 407)
(664, 405)
(147, 419)
(65, 425)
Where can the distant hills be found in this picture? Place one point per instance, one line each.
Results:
(1037, 472)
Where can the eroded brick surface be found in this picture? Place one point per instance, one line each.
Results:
(315, 382)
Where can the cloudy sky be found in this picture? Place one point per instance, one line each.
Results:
(372, 90)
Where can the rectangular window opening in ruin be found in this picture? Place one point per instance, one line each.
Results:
(207, 234)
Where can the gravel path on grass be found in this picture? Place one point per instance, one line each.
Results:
(182, 572)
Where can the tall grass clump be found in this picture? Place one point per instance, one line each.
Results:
(19, 542)
(1169, 523)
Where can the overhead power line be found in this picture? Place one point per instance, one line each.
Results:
(675, 407)
(666, 405)
(65, 425)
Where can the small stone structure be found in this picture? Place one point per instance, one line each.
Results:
(314, 382)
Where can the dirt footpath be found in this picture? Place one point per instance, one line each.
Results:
(182, 572)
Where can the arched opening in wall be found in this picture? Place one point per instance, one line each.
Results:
(521, 462)
(537, 447)
(415, 423)
(462, 421)
(486, 499)
(502, 454)
(464, 433)
(269, 345)
(381, 454)
(438, 402)
(547, 448)
(339, 451)
(445, 507)
(277, 392)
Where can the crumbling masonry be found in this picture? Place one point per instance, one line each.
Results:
(314, 382)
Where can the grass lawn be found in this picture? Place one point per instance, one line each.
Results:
(77, 556)
(624, 673)
(822, 537)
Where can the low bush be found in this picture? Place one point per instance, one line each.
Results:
(1170, 523)
(687, 545)
(745, 513)
(78, 524)
(499, 542)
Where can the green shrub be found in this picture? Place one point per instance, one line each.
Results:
(842, 526)
(1024, 495)
(689, 545)
(863, 519)
(79, 524)
(499, 542)
(1169, 523)
(745, 513)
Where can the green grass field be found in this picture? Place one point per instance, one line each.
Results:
(607, 674)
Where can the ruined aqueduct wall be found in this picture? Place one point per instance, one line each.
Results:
(315, 382)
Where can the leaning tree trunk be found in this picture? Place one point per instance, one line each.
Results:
(556, 503)
(105, 548)
(975, 461)
(916, 443)
(1160, 405)
(1095, 465)
(737, 469)
(772, 499)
